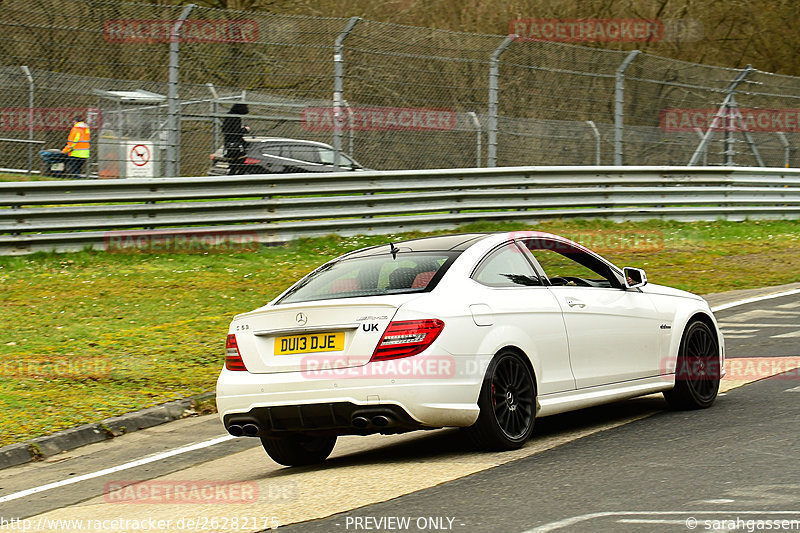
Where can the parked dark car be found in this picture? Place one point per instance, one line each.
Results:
(275, 155)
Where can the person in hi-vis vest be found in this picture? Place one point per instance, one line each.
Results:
(77, 148)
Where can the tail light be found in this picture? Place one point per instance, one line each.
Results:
(233, 359)
(407, 338)
(251, 161)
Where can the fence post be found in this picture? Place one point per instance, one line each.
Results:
(214, 112)
(722, 112)
(736, 114)
(350, 133)
(705, 150)
(477, 124)
(787, 151)
(338, 68)
(619, 105)
(494, 73)
(172, 166)
(27, 72)
(596, 142)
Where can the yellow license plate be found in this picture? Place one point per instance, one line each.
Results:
(311, 343)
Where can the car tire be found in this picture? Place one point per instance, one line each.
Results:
(298, 450)
(697, 372)
(507, 403)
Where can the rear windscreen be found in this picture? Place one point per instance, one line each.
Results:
(372, 276)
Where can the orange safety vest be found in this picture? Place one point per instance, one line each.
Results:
(78, 141)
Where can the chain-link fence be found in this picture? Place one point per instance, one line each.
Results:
(155, 83)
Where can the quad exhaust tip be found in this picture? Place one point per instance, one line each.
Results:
(380, 421)
(360, 422)
(243, 430)
(251, 430)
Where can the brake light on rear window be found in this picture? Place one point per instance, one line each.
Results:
(407, 338)
(251, 161)
(233, 359)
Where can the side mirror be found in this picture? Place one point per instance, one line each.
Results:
(634, 277)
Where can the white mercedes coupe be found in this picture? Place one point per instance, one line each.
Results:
(484, 332)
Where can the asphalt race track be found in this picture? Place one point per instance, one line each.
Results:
(630, 466)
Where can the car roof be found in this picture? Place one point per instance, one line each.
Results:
(284, 140)
(439, 243)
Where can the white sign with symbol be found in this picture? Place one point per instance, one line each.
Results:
(140, 160)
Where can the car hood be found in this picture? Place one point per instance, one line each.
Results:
(652, 288)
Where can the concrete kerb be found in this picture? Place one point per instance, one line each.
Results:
(69, 439)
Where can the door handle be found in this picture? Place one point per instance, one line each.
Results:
(576, 303)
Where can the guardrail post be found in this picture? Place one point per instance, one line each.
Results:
(494, 73)
(619, 105)
(338, 73)
(722, 112)
(172, 166)
(27, 72)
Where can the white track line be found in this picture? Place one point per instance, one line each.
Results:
(722, 307)
(118, 468)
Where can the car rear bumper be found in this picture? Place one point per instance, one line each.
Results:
(338, 418)
(329, 402)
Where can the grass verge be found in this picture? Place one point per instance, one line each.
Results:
(91, 335)
(5, 176)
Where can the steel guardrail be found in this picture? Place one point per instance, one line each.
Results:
(74, 214)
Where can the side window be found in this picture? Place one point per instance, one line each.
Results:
(565, 264)
(271, 149)
(327, 157)
(506, 267)
(347, 162)
(304, 153)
